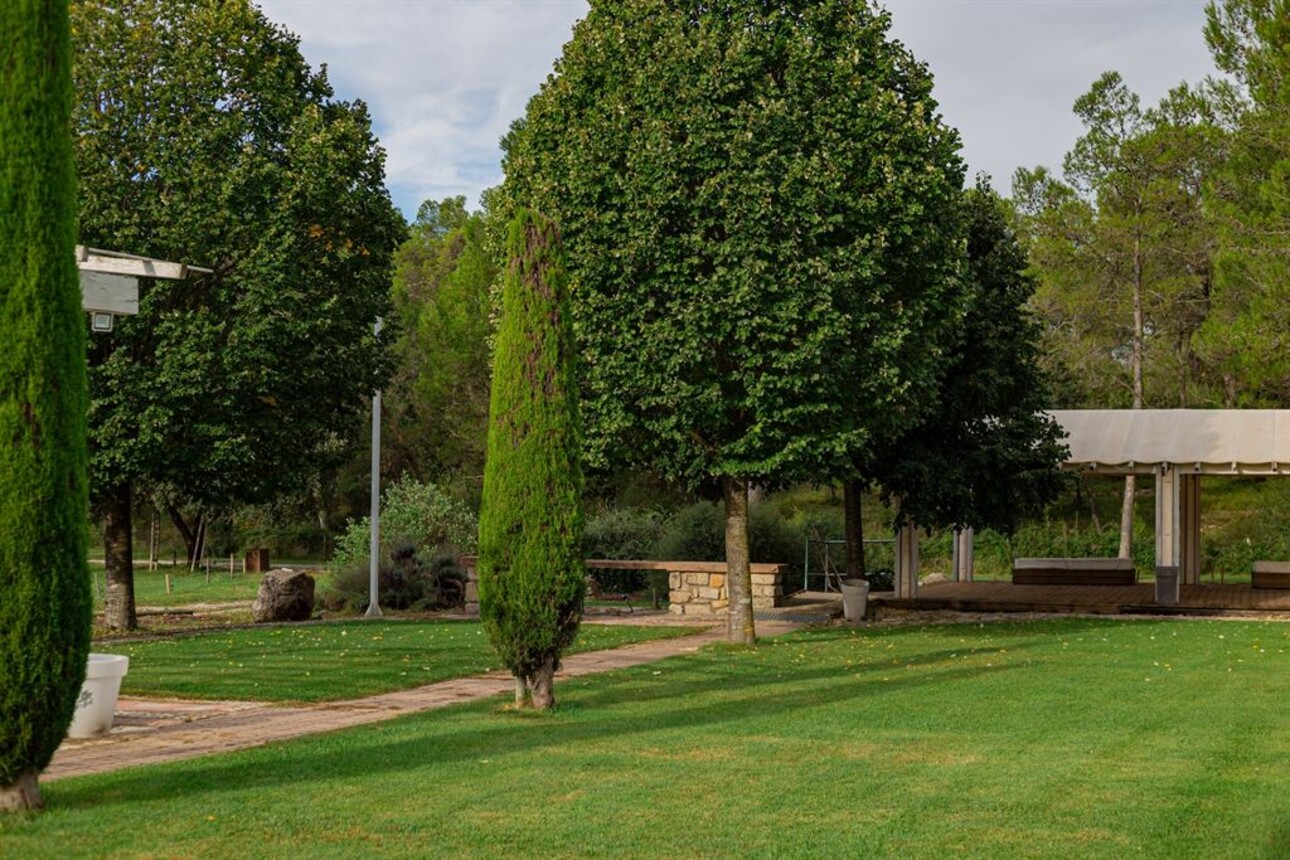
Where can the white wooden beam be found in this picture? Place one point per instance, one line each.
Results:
(136, 268)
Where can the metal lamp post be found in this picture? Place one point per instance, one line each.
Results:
(374, 553)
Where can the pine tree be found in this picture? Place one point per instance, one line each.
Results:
(531, 574)
(45, 600)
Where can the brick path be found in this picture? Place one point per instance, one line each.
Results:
(154, 731)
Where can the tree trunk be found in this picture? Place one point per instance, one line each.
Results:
(853, 526)
(1139, 336)
(23, 795)
(543, 685)
(738, 574)
(521, 692)
(118, 554)
(194, 535)
(1126, 516)
(188, 533)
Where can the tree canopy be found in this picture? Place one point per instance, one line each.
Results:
(204, 137)
(986, 456)
(437, 401)
(758, 203)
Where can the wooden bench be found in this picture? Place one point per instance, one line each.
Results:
(1270, 574)
(1073, 571)
(595, 592)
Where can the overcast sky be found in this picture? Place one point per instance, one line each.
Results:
(445, 78)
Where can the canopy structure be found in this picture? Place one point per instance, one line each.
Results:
(1177, 447)
(1195, 441)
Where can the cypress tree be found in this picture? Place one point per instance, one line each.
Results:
(531, 574)
(45, 599)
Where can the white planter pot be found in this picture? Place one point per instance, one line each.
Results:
(855, 597)
(97, 702)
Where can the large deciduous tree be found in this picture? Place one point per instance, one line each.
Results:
(986, 456)
(204, 137)
(531, 574)
(758, 201)
(44, 584)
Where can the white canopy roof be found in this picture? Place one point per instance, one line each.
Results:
(1207, 441)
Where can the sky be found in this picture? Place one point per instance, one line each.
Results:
(444, 79)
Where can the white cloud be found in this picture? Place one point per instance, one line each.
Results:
(445, 78)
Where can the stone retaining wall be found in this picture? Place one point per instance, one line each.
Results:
(699, 589)
(696, 588)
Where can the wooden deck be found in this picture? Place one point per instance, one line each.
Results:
(1098, 599)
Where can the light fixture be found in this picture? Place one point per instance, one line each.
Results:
(101, 322)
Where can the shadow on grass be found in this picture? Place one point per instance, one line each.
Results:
(587, 720)
(714, 687)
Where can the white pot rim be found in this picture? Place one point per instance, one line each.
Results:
(107, 666)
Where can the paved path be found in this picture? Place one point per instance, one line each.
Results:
(154, 731)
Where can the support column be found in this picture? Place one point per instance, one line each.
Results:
(964, 552)
(1189, 529)
(1167, 519)
(907, 561)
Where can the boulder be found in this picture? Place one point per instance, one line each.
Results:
(285, 595)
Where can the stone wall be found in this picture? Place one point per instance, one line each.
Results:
(696, 588)
(699, 588)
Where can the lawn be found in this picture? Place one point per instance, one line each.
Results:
(321, 662)
(186, 588)
(1070, 738)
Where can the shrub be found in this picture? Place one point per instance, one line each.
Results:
(697, 533)
(412, 514)
(622, 533)
(410, 580)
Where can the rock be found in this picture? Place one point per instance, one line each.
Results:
(933, 579)
(285, 595)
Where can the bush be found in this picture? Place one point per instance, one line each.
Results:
(698, 533)
(410, 580)
(624, 534)
(412, 514)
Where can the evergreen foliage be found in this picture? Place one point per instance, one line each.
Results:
(531, 574)
(44, 584)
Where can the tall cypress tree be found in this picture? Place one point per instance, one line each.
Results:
(531, 574)
(44, 583)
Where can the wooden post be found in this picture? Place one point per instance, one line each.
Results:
(1189, 529)
(907, 561)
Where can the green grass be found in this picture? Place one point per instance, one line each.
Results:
(186, 588)
(321, 662)
(1072, 738)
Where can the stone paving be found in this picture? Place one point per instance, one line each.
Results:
(150, 731)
